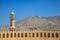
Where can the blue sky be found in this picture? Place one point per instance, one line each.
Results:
(25, 8)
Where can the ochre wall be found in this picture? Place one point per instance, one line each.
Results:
(30, 38)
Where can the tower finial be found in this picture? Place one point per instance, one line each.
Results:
(12, 12)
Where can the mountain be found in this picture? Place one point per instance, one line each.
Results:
(38, 23)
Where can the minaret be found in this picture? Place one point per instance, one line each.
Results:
(12, 23)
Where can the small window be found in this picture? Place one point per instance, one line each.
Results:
(36, 34)
(21, 34)
(44, 34)
(7, 35)
(18, 34)
(0, 35)
(25, 34)
(3, 35)
(32, 34)
(48, 35)
(14, 34)
(11, 35)
(52, 34)
(40, 34)
(29, 34)
(56, 34)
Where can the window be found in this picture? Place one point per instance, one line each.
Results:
(0, 35)
(36, 34)
(48, 35)
(56, 34)
(11, 35)
(29, 34)
(52, 34)
(21, 34)
(18, 34)
(32, 34)
(44, 34)
(25, 34)
(7, 35)
(14, 34)
(40, 34)
(3, 35)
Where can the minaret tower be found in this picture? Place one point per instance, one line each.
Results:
(12, 23)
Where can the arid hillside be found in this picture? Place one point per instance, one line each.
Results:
(39, 23)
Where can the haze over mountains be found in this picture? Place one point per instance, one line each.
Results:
(38, 23)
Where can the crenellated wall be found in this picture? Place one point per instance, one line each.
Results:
(30, 35)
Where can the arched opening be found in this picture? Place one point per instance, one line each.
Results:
(48, 35)
(56, 35)
(3, 35)
(0, 35)
(40, 34)
(52, 34)
(11, 35)
(29, 34)
(18, 34)
(44, 34)
(33, 35)
(7, 35)
(25, 34)
(21, 34)
(37, 34)
(14, 34)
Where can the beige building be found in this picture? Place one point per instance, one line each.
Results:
(12, 34)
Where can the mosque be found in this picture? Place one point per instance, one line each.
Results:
(13, 34)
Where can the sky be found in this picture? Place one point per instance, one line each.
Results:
(25, 8)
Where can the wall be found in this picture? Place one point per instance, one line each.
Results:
(30, 35)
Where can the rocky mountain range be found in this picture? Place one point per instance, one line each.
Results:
(38, 23)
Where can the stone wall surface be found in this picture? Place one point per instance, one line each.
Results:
(29, 36)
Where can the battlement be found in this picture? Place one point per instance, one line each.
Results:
(30, 35)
